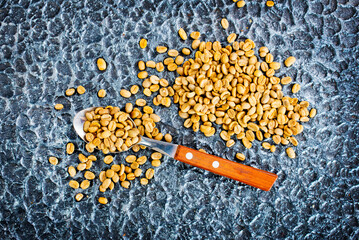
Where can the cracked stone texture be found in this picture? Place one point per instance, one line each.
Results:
(49, 46)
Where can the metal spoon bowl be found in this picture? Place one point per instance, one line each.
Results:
(249, 175)
(166, 148)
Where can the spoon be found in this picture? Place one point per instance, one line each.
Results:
(249, 175)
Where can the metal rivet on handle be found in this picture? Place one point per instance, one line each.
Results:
(215, 164)
(189, 156)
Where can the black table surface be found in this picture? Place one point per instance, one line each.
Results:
(49, 46)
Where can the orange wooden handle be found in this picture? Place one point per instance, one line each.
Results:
(249, 175)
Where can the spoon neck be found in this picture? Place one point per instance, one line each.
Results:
(166, 148)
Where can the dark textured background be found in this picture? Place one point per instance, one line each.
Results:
(48, 46)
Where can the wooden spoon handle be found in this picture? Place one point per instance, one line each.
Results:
(249, 175)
